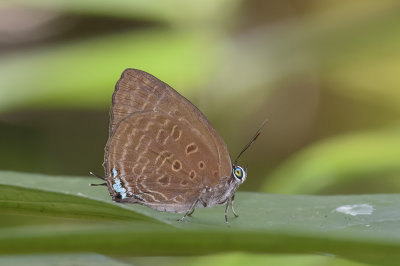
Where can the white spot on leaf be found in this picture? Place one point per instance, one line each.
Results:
(356, 209)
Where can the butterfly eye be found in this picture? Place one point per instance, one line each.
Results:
(238, 172)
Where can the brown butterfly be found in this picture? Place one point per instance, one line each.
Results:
(163, 153)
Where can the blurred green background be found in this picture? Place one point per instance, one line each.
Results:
(325, 74)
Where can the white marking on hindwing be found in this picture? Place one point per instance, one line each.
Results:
(120, 177)
(144, 161)
(118, 188)
(115, 173)
(141, 181)
(140, 142)
(178, 199)
(149, 124)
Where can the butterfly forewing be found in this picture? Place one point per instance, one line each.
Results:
(161, 147)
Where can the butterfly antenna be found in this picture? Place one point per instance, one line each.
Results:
(102, 178)
(252, 140)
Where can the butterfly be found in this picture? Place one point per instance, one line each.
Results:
(163, 153)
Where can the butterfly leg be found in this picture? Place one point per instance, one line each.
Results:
(190, 214)
(190, 211)
(233, 210)
(226, 209)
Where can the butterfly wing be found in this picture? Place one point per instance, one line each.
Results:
(160, 143)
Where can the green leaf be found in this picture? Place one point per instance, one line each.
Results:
(77, 218)
(230, 259)
(83, 74)
(359, 58)
(351, 157)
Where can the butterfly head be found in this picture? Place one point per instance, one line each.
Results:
(239, 173)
